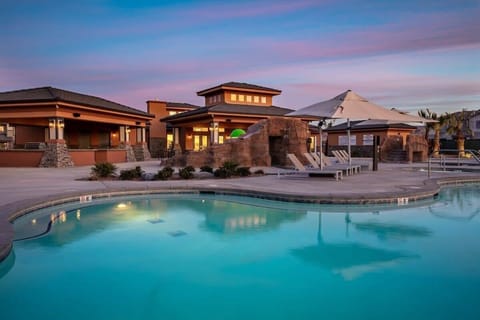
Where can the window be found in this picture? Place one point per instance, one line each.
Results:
(169, 140)
(343, 140)
(368, 139)
(172, 113)
(256, 99)
(477, 124)
(241, 97)
(249, 98)
(233, 97)
(199, 129)
(264, 99)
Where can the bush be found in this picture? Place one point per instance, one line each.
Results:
(187, 172)
(222, 173)
(103, 170)
(206, 169)
(165, 173)
(243, 171)
(259, 172)
(228, 169)
(130, 174)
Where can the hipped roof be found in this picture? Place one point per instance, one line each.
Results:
(51, 94)
(239, 86)
(232, 109)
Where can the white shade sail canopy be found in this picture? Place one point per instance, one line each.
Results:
(352, 106)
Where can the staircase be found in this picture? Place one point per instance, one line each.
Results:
(141, 152)
(396, 156)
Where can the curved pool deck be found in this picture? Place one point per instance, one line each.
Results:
(25, 189)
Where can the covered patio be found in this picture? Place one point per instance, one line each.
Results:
(51, 127)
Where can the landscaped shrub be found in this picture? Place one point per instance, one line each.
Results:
(130, 174)
(243, 171)
(103, 170)
(187, 172)
(206, 169)
(227, 170)
(165, 173)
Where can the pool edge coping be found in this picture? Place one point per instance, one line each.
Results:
(429, 189)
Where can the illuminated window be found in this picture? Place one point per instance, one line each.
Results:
(220, 139)
(264, 99)
(241, 97)
(171, 113)
(256, 99)
(249, 98)
(169, 140)
(198, 129)
(233, 97)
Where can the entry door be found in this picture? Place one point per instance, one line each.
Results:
(199, 142)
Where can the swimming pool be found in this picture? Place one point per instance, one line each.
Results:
(205, 257)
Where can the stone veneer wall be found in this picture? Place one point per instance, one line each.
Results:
(158, 147)
(56, 155)
(416, 148)
(129, 151)
(254, 148)
(390, 144)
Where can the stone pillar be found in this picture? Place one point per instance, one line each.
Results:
(56, 155)
(129, 151)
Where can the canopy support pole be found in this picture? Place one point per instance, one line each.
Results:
(349, 146)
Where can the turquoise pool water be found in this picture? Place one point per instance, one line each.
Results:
(204, 257)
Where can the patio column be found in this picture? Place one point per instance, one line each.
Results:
(176, 136)
(56, 127)
(140, 135)
(121, 137)
(214, 132)
(56, 154)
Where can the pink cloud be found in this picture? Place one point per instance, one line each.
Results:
(423, 33)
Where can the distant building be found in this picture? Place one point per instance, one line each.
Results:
(160, 134)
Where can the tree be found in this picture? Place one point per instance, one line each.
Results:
(436, 126)
(456, 127)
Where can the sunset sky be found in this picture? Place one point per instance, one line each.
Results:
(408, 54)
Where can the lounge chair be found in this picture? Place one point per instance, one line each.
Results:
(363, 165)
(340, 157)
(315, 172)
(346, 168)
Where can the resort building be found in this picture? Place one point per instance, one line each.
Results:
(160, 134)
(55, 128)
(393, 138)
(228, 107)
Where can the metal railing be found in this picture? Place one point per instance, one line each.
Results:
(451, 159)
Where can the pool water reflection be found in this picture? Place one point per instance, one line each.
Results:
(205, 257)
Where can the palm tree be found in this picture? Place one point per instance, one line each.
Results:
(456, 127)
(436, 126)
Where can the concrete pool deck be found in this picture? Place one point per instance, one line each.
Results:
(25, 189)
